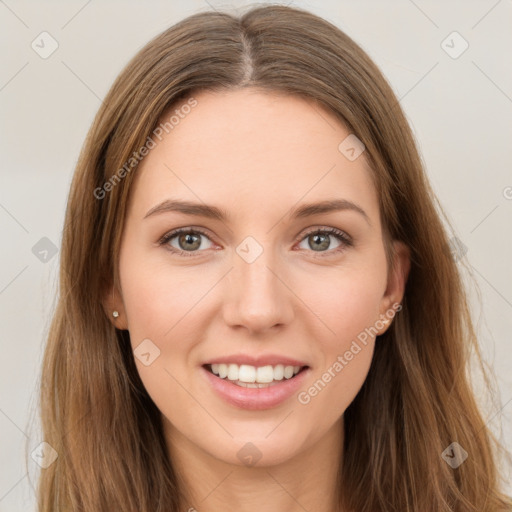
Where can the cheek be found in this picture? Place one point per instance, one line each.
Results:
(347, 303)
(160, 303)
(345, 356)
(155, 296)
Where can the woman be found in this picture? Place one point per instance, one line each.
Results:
(258, 302)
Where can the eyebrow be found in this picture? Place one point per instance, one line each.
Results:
(213, 212)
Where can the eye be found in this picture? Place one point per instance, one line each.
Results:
(188, 241)
(319, 240)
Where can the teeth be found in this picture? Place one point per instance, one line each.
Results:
(251, 374)
(254, 384)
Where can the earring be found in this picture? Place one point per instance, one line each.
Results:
(115, 314)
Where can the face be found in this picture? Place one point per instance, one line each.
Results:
(256, 281)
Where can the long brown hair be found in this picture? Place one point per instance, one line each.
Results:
(417, 398)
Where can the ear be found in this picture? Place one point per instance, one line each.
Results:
(397, 280)
(113, 301)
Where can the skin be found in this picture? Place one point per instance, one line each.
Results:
(258, 156)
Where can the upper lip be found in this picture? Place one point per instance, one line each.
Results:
(263, 360)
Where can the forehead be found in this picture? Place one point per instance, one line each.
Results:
(251, 150)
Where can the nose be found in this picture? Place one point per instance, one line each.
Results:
(258, 297)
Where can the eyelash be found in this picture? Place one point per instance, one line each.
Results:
(345, 240)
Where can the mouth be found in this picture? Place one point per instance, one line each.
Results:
(249, 376)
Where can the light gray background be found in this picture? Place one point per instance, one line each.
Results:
(460, 111)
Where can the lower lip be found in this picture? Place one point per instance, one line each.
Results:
(255, 399)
